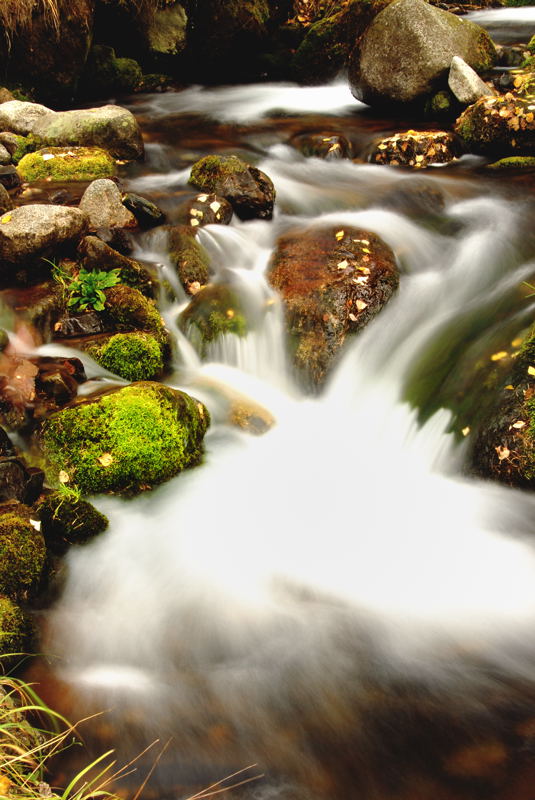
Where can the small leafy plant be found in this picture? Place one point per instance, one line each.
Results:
(86, 290)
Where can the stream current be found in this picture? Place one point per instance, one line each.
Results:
(337, 601)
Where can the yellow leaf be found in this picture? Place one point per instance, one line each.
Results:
(465, 431)
(230, 313)
(340, 235)
(361, 305)
(517, 342)
(499, 356)
(63, 476)
(5, 218)
(529, 117)
(510, 386)
(518, 425)
(353, 318)
(343, 264)
(106, 459)
(531, 370)
(503, 452)
(5, 785)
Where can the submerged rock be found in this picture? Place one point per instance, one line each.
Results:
(332, 281)
(499, 126)
(31, 232)
(249, 191)
(66, 519)
(189, 258)
(66, 164)
(416, 149)
(407, 50)
(125, 441)
(102, 204)
(214, 311)
(326, 145)
(205, 209)
(22, 556)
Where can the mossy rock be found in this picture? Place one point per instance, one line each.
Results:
(22, 556)
(249, 191)
(189, 258)
(66, 519)
(66, 164)
(95, 254)
(132, 356)
(16, 633)
(214, 311)
(105, 73)
(130, 310)
(513, 162)
(125, 441)
(498, 126)
(25, 145)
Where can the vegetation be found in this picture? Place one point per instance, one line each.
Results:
(66, 164)
(86, 290)
(22, 556)
(125, 441)
(16, 634)
(68, 519)
(18, 13)
(133, 356)
(129, 309)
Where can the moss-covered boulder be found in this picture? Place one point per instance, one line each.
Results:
(407, 51)
(22, 556)
(249, 191)
(130, 310)
(133, 356)
(214, 311)
(66, 164)
(94, 254)
(66, 519)
(16, 632)
(416, 149)
(189, 258)
(524, 163)
(499, 126)
(105, 74)
(332, 282)
(125, 441)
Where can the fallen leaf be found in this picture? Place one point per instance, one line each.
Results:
(499, 356)
(5, 218)
(361, 305)
(340, 235)
(36, 524)
(343, 264)
(202, 198)
(517, 342)
(105, 459)
(215, 206)
(531, 370)
(503, 452)
(63, 476)
(510, 386)
(230, 313)
(48, 156)
(465, 431)
(518, 425)
(353, 318)
(194, 222)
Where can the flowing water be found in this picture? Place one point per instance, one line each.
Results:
(336, 601)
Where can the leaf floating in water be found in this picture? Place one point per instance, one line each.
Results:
(503, 452)
(106, 459)
(499, 356)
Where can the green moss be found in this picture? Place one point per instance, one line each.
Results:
(514, 162)
(106, 73)
(133, 356)
(22, 556)
(214, 311)
(125, 441)
(130, 310)
(16, 632)
(323, 51)
(25, 145)
(67, 164)
(208, 172)
(67, 519)
(128, 74)
(531, 45)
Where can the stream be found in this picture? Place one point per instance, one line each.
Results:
(337, 601)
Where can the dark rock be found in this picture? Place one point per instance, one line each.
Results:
(147, 214)
(188, 256)
(416, 149)
(249, 191)
(323, 145)
(9, 177)
(6, 446)
(214, 311)
(10, 141)
(19, 482)
(416, 197)
(39, 306)
(499, 126)
(6, 204)
(88, 323)
(4, 340)
(67, 519)
(332, 281)
(130, 310)
(408, 49)
(105, 74)
(96, 254)
(205, 209)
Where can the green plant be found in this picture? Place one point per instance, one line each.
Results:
(86, 290)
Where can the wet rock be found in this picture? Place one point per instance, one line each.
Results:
(498, 126)
(465, 83)
(147, 214)
(39, 307)
(66, 519)
(88, 323)
(10, 141)
(105, 74)
(31, 232)
(332, 281)
(6, 204)
(524, 163)
(101, 202)
(130, 310)
(249, 191)
(110, 127)
(166, 30)
(9, 177)
(16, 632)
(323, 145)
(424, 40)
(416, 149)
(125, 441)
(188, 256)
(17, 390)
(66, 164)
(214, 311)
(133, 356)
(6, 446)
(57, 381)
(205, 209)
(22, 556)
(5, 157)
(96, 254)
(251, 417)
(4, 340)
(19, 482)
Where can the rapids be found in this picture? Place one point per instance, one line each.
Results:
(281, 593)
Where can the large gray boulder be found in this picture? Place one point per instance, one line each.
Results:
(111, 127)
(29, 232)
(101, 202)
(465, 83)
(407, 51)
